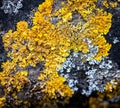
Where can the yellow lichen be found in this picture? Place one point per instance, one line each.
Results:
(113, 5)
(105, 3)
(2, 100)
(110, 86)
(110, 4)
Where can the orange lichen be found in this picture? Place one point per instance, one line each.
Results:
(52, 43)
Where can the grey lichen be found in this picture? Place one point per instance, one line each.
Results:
(88, 74)
(11, 6)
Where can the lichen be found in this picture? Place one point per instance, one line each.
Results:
(52, 38)
(11, 6)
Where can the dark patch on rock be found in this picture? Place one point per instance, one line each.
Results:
(115, 33)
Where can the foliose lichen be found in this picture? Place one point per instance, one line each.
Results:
(65, 35)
